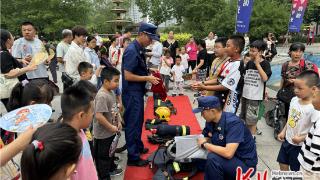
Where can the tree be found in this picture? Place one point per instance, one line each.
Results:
(158, 11)
(50, 16)
(269, 16)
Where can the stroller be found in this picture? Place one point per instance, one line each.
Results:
(275, 115)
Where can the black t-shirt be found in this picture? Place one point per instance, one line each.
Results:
(172, 47)
(203, 55)
(8, 62)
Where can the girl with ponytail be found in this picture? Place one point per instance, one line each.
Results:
(53, 153)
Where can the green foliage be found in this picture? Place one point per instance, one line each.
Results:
(52, 16)
(159, 11)
(182, 38)
(264, 19)
(49, 16)
(312, 12)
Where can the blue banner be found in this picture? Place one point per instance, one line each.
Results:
(243, 15)
(297, 12)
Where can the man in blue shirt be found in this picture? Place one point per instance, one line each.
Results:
(227, 139)
(134, 78)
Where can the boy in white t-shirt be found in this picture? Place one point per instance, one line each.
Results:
(299, 121)
(184, 59)
(226, 86)
(177, 71)
(310, 151)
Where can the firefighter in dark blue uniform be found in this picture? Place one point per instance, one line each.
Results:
(134, 78)
(227, 139)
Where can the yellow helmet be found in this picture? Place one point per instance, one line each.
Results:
(163, 113)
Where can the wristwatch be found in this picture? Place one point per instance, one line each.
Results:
(202, 145)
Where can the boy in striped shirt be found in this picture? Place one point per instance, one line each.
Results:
(309, 156)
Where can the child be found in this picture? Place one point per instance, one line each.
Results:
(226, 88)
(178, 71)
(165, 69)
(107, 123)
(221, 58)
(184, 59)
(257, 72)
(77, 111)
(85, 70)
(93, 91)
(53, 153)
(309, 154)
(38, 91)
(299, 121)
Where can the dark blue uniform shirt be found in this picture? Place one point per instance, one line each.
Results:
(134, 61)
(231, 129)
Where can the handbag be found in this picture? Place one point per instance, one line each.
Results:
(6, 86)
(66, 79)
(10, 170)
(285, 94)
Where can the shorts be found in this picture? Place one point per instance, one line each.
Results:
(288, 154)
(250, 111)
(201, 74)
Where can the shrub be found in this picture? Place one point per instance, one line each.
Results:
(182, 38)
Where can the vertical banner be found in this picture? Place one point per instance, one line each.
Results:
(297, 12)
(243, 15)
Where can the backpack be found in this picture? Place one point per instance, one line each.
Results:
(286, 93)
(163, 163)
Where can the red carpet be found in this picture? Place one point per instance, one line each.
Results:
(184, 116)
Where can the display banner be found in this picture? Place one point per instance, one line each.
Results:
(243, 15)
(297, 12)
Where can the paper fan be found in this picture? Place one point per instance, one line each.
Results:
(39, 58)
(20, 119)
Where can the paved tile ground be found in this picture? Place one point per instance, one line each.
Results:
(267, 146)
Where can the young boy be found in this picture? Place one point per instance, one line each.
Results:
(221, 58)
(184, 58)
(85, 70)
(309, 154)
(77, 111)
(257, 72)
(177, 71)
(106, 123)
(299, 121)
(226, 84)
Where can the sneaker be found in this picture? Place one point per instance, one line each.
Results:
(116, 172)
(138, 163)
(181, 94)
(259, 132)
(173, 95)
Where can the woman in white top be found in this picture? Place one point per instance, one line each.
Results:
(93, 58)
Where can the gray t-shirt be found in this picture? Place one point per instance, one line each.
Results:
(22, 48)
(105, 103)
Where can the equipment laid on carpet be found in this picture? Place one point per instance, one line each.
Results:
(176, 156)
(152, 123)
(158, 103)
(163, 133)
(184, 117)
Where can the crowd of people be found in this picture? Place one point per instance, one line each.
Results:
(104, 88)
